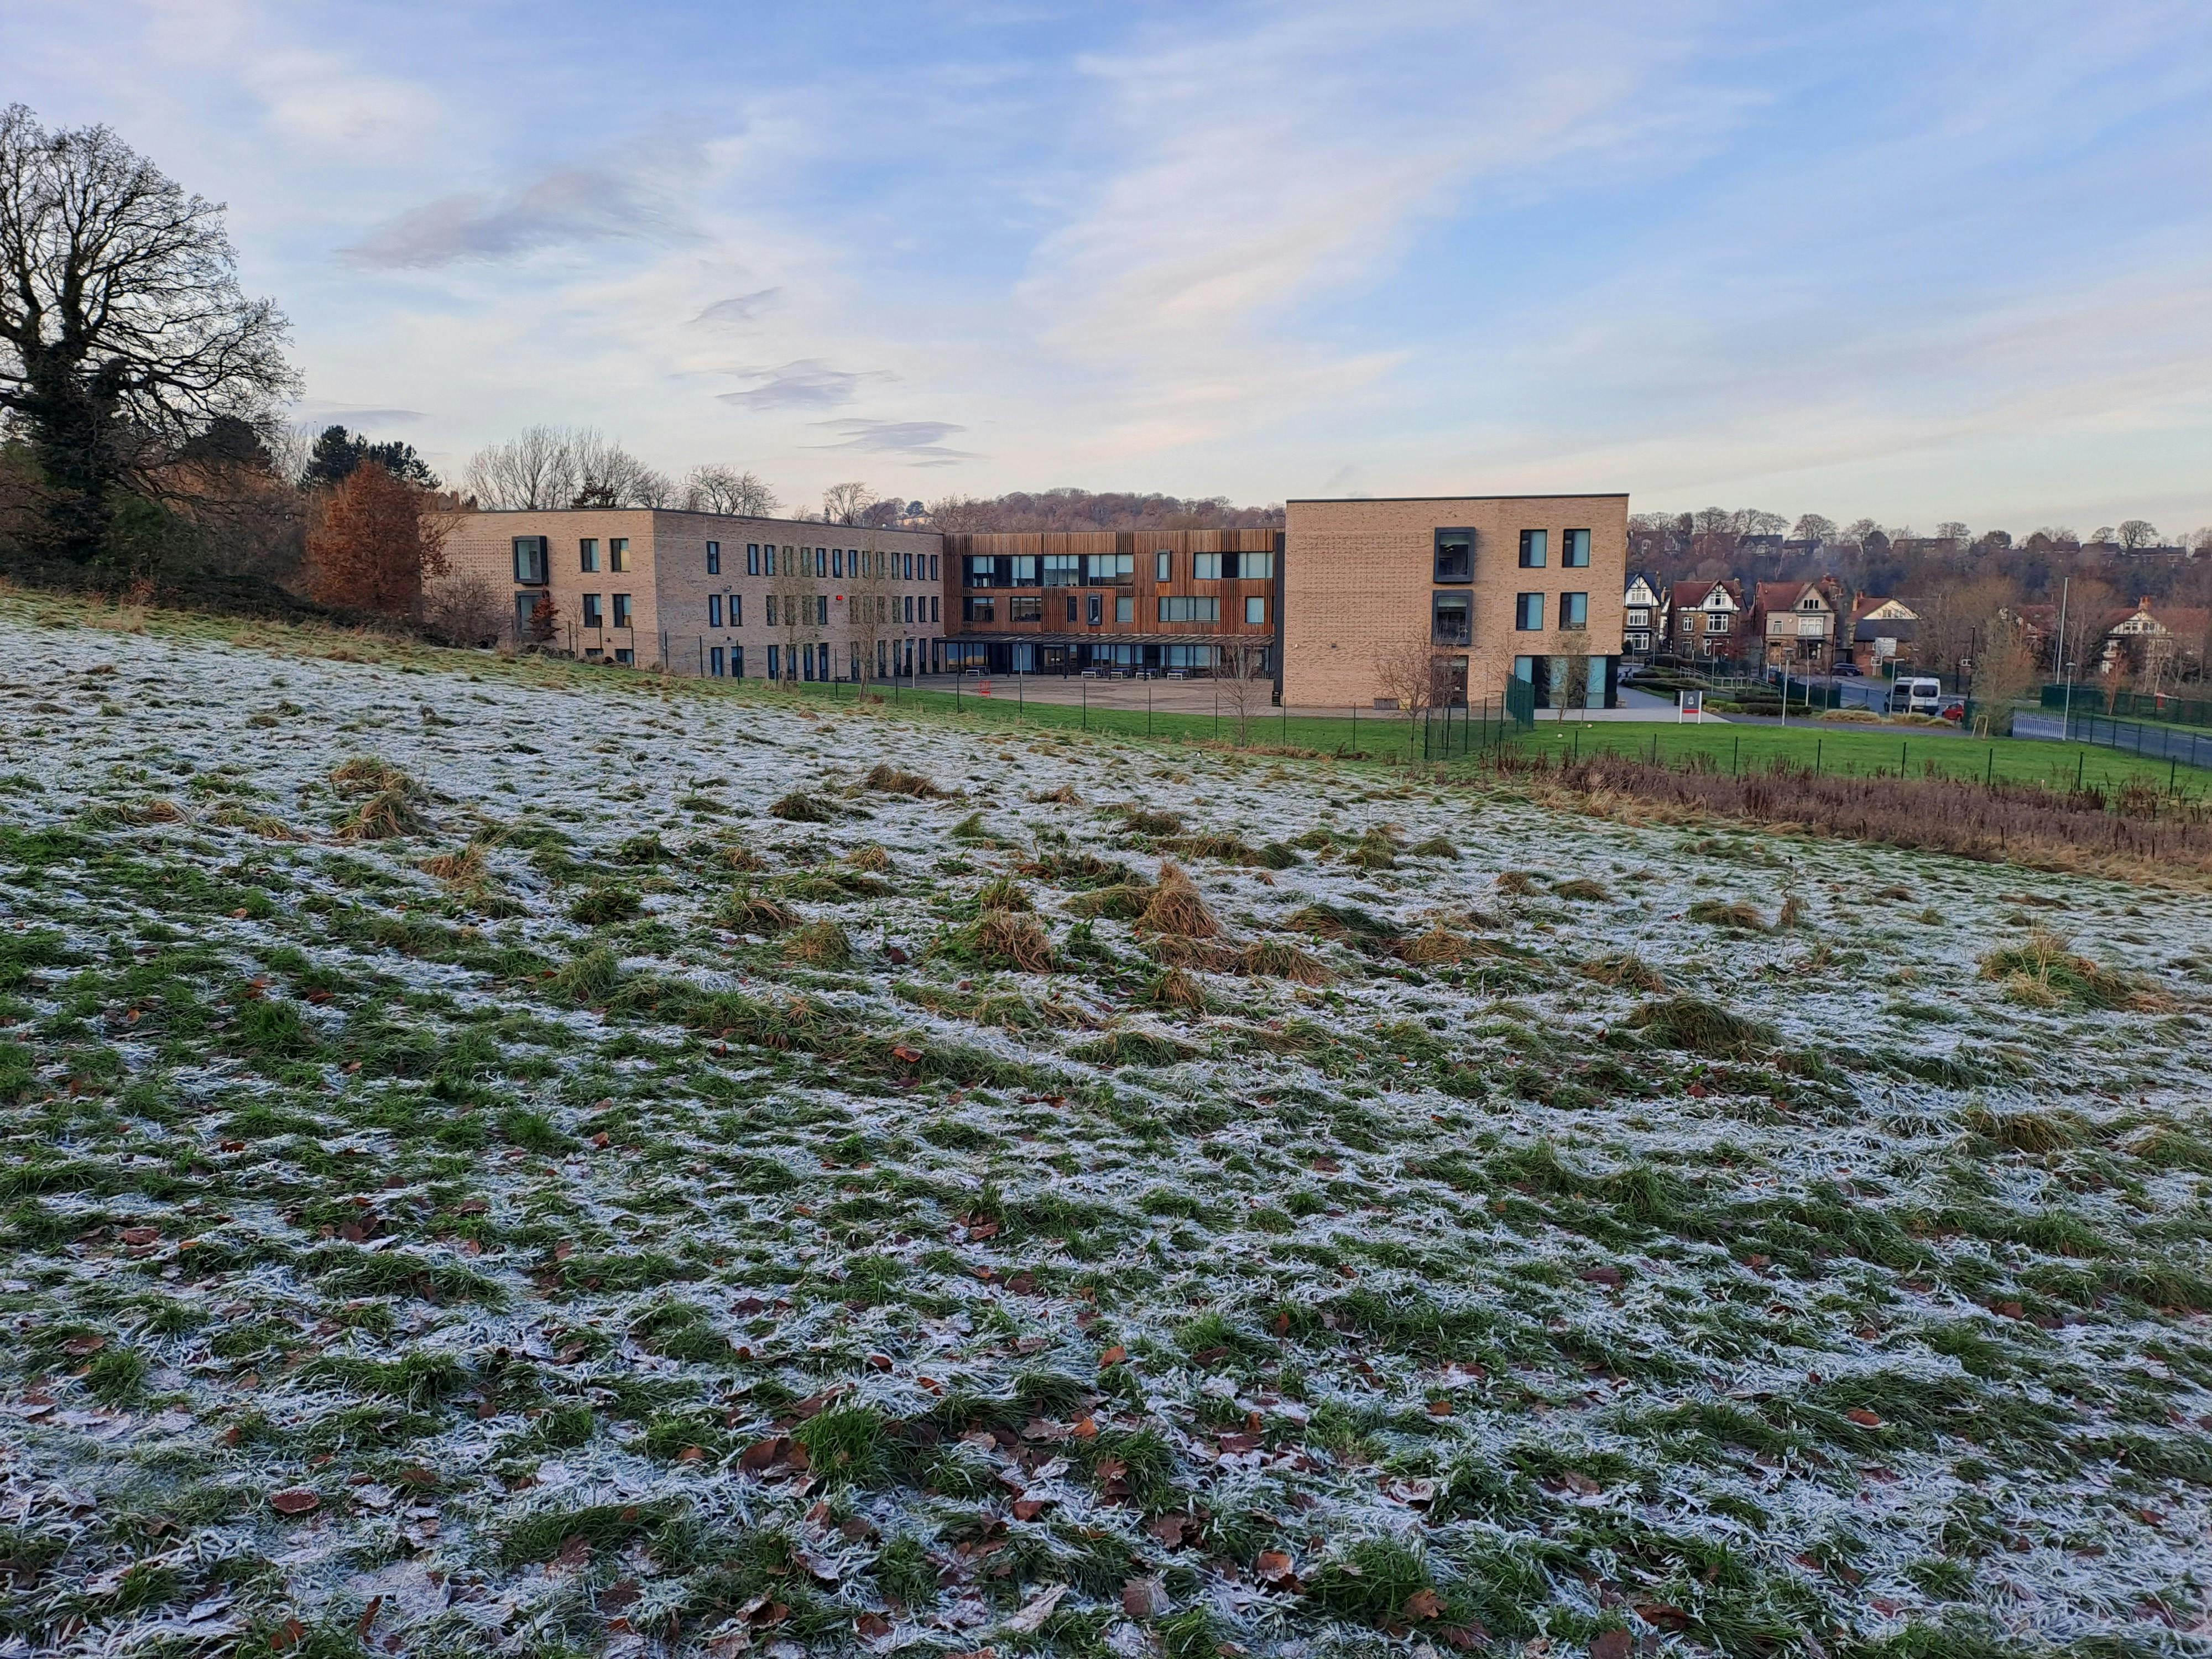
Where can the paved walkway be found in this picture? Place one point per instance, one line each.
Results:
(1203, 696)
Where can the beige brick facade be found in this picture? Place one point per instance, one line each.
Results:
(680, 612)
(1359, 581)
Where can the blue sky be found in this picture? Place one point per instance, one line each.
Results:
(1915, 261)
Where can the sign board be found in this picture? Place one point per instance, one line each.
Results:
(983, 688)
(1690, 702)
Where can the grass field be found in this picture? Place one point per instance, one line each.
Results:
(508, 1158)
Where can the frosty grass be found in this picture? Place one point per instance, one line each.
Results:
(396, 1262)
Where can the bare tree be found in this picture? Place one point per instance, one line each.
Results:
(711, 489)
(868, 599)
(467, 610)
(1812, 527)
(844, 503)
(607, 475)
(1408, 673)
(954, 515)
(2005, 670)
(535, 469)
(1953, 530)
(122, 330)
(1857, 532)
(1569, 683)
(2104, 534)
(2137, 532)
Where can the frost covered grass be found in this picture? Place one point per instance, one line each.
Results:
(712, 1175)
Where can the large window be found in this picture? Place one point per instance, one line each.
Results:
(1255, 610)
(752, 559)
(1529, 612)
(593, 618)
(713, 558)
(1026, 608)
(622, 611)
(1063, 571)
(1536, 548)
(530, 561)
(1454, 555)
(737, 662)
(715, 661)
(618, 554)
(1717, 622)
(1100, 568)
(1187, 607)
(588, 554)
(714, 610)
(1574, 611)
(981, 609)
(1574, 549)
(1205, 567)
(1232, 567)
(738, 613)
(1452, 618)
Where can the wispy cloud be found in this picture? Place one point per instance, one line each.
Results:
(807, 384)
(738, 309)
(919, 442)
(569, 207)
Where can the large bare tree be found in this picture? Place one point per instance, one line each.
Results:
(710, 489)
(124, 333)
(846, 503)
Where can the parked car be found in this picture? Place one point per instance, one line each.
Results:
(1846, 671)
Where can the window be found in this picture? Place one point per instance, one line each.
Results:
(932, 575)
(1455, 558)
(1095, 610)
(908, 602)
(1071, 607)
(1163, 566)
(737, 611)
(935, 605)
(822, 610)
(624, 655)
(1026, 608)
(530, 561)
(1716, 623)
(821, 569)
(591, 616)
(1574, 611)
(713, 558)
(771, 616)
(618, 553)
(908, 560)
(752, 559)
(981, 609)
(714, 610)
(1125, 608)
(1536, 548)
(1255, 610)
(622, 611)
(775, 662)
(1451, 618)
(1639, 619)
(1574, 549)
(837, 562)
(1108, 567)
(883, 657)
(715, 662)
(1184, 607)
(1529, 612)
(737, 662)
(588, 554)
(1063, 571)
(1205, 567)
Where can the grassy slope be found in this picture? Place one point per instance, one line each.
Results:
(531, 1246)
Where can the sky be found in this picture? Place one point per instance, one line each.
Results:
(1911, 261)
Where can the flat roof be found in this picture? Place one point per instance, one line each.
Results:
(1556, 496)
(732, 518)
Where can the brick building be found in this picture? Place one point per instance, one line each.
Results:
(703, 593)
(1706, 619)
(1478, 589)
(1187, 601)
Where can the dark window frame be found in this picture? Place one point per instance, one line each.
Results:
(1455, 567)
(1444, 605)
(1570, 546)
(1523, 610)
(533, 561)
(713, 558)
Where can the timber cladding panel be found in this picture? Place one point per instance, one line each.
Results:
(1357, 577)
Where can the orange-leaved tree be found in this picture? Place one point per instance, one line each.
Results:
(376, 538)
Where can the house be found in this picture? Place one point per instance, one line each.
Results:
(2156, 646)
(1794, 623)
(1706, 619)
(1643, 616)
(1882, 633)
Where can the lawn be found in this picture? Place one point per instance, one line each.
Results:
(517, 1158)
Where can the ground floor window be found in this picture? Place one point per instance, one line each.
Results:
(715, 662)
(774, 662)
(624, 654)
(737, 662)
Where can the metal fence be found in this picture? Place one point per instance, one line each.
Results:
(2151, 741)
(2136, 705)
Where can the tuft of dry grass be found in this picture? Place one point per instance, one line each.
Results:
(1278, 958)
(1700, 1027)
(1436, 948)
(1734, 913)
(369, 774)
(890, 780)
(823, 944)
(742, 858)
(1008, 939)
(1176, 907)
(871, 857)
(1516, 883)
(800, 807)
(1177, 989)
(2044, 970)
(1580, 888)
(748, 912)
(1625, 969)
(1125, 901)
(1003, 893)
(1064, 796)
(385, 816)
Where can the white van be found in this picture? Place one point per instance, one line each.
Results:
(1916, 695)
